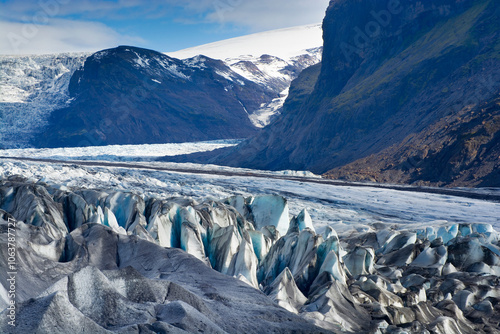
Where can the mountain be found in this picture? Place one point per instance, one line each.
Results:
(129, 95)
(33, 87)
(389, 70)
(271, 58)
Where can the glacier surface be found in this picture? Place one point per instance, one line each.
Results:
(328, 258)
(107, 259)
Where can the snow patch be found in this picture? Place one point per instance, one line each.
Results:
(196, 62)
(141, 61)
(225, 75)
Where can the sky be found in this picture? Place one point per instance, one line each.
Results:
(53, 26)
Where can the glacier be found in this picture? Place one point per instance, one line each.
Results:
(31, 87)
(328, 258)
(99, 254)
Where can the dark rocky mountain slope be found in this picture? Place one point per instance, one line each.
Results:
(458, 150)
(390, 70)
(129, 95)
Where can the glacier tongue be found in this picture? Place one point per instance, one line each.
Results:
(93, 256)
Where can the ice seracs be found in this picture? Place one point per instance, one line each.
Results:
(31, 87)
(270, 210)
(360, 261)
(285, 292)
(114, 283)
(100, 254)
(301, 222)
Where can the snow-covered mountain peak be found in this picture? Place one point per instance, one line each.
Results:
(271, 59)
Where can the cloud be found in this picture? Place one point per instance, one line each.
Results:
(59, 35)
(49, 26)
(261, 15)
(257, 15)
(254, 14)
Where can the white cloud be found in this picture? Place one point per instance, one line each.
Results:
(261, 15)
(258, 15)
(85, 25)
(255, 14)
(59, 36)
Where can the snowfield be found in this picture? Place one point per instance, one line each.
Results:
(274, 42)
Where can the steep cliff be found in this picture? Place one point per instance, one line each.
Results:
(390, 69)
(458, 150)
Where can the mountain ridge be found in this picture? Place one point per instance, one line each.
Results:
(395, 86)
(131, 95)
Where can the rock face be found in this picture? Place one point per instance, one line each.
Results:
(458, 150)
(106, 261)
(393, 73)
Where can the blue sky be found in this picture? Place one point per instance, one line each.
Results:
(48, 26)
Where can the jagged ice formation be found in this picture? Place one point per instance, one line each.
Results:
(108, 261)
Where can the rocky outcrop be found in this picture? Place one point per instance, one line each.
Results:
(458, 150)
(390, 69)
